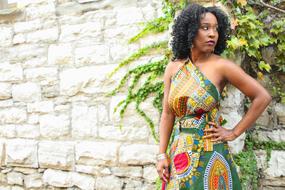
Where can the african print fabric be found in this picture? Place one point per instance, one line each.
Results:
(196, 163)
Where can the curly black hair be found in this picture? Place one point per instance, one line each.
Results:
(186, 26)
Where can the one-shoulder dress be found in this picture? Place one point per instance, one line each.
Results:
(197, 163)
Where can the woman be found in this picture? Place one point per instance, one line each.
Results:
(193, 81)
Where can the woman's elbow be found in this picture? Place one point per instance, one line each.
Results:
(266, 97)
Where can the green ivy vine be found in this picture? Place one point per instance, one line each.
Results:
(258, 35)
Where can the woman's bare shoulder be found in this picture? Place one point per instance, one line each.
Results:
(173, 66)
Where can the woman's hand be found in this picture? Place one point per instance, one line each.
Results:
(163, 169)
(219, 133)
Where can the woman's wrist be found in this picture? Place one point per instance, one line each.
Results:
(161, 156)
(235, 133)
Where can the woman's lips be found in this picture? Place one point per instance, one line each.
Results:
(211, 43)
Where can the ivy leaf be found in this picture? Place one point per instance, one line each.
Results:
(242, 2)
(262, 65)
(260, 76)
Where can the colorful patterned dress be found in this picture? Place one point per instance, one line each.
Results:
(197, 163)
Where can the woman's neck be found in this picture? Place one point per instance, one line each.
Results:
(198, 57)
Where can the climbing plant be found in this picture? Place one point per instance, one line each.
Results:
(258, 35)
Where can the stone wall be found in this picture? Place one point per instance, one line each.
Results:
(57, 127)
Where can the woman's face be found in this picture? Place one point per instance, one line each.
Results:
(207, 35)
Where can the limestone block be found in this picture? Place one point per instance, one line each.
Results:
(33, 118)
(10, 73)
(88, 79)
(274, 135)
(83, 31)
(6, 34)
(126, 19)
(57, 155)
(26, 92)
(261, 159)
(133, 184)
(280, 112)
(40, 10)
(57, 178)
(33, 180)
(108, 182)
(93, 170)
(27, 131)
(263, 120)
(127, 171)
(92, 153)
(25, 171)
(233, 118)
(120, 34)
(40, 107)
(138, 134)
(4, 187)
(138, 154)
(96, 54)
(103, 115)
(3, 178)
(68, 179)
(19, 39)
(44, 36)
(148, 186)
(276, 165)
(17, 188)
(13, 115)
(149, 11)
(53, 126)
(24, 52)
(150, 173)
(15, 178)
(22, 153)
(27, 26)
(154, 38)
(84, 120)
(60, 54)
(6, 103)
(83, 181)
(2, 159)
(43, 75)
(118, 52)
(35, 62)
(8, 131)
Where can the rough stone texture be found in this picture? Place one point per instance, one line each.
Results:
(22, 153)
(13, 115)
(5, 91)
(276, 165)
(27, 92)
(15, 178)
(57, 155)
(139, 154)
(84, 120)
(150, 173)
(60, 54)
(9, 72)
(104, 183)
(33, 180)
(93, 153)
(59, 178)
(53, 126)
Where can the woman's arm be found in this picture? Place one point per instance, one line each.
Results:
(166, 126)
(258, 95)
(167, 119)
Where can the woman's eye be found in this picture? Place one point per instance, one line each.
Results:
(205, 27)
